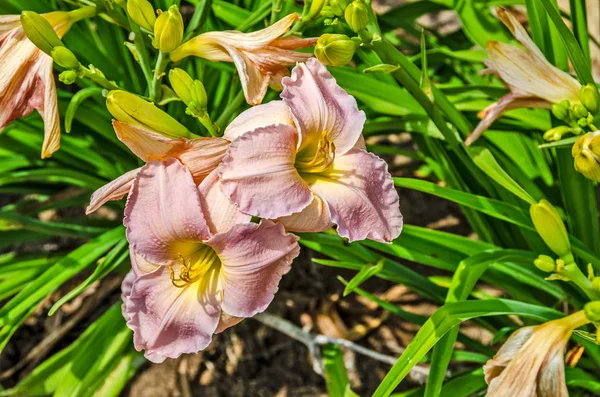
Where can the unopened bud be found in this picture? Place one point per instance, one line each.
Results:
(65, 58)
(552, 229)
(592, 311)
(190, 91)
(560, 110)
(131, 109)
(335, 49)
(357, 15)
(589, 98)
(338, 7)
(67, 77)
(168, 30)
(327, 13)
(142, 13)
(586, 155)
(596, 283)
(315, 9)
(578, 111)
(39, 31)
(545, 263)
(556, 133)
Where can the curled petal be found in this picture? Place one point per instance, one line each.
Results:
(360, 195)
(114, 190)
(145, 143)
(227, 321)
(258, 173)
(320, 105)
(497, 109)
(163, 215)
(551, 381)
(254, 81)
(506, 353)
(48, 109)
(274, 112)
(202, 155)
(531, 75)
(168, 321)
(314, 218)
(220, 213)
(126, 286)
(8, 23)
(254, 258)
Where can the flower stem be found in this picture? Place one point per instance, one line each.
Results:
(82, 13)
(98, 77)
(573, 272)
(576, 319)
(232, 107)
(142, 52)
(161, 64)
(208, 124)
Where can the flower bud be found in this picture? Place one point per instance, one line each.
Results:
(556, 133)
(142, 13)
(199, 94)
(586, 154)
(335, 49)
(39, 31)
(560, 110)
(67, 77)
(65, 58)
(589, 98)
(596, 283)
(357, 15)
(131, 109)
(545, 263)
(338, 7)
(168, 30)
(592, 311)
(578, 111)
(190, 91)
(551, 228)
(315, 9)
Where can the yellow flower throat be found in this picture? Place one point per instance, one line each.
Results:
(195, 267)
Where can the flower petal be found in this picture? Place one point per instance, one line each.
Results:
(253, 260)
(274, 112)
(227, 321)
(114, 190)
(49, 108)
(497, 109)
(551, 380)
(202, 156)
(163, 215)
(145, 143)
(254, 81)
(494, 367)
(532, 75)
(168, 321)
(258, 173)
(319, 105)
(314, 218)
(360, 194)
(220, 213)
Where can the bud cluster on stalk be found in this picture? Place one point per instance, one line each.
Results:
(190, 91)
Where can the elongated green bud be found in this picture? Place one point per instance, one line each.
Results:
(39, 31)
(592, 311)
(190, 91)
(168, 30)
(335, 49)
(552, 229)
(357, 15)
(561, 110)
(131, 109)
(556, 133)
(338, 7)
(596, 283)
(65, 58)
(578, 111)
(586, 155)
(589, 98)
(315, 9)
(545, 263)
(142, 13)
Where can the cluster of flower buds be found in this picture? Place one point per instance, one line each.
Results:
(580, 113)
(190, 91)
(167, 28)
(355, 13)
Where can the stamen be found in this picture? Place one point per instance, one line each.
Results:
(321, 160)
(190, 272)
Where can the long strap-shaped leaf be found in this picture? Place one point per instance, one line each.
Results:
(446, 318)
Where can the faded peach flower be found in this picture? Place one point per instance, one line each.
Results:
(531, 79)
(531, 363)
(26, 79)
(261, 58)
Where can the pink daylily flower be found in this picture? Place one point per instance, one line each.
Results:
(200, 156)
(261, 58)
(532, 80)
(188, 282)
(26, 79)
(302, 161)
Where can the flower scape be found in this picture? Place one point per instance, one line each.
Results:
(220, 152)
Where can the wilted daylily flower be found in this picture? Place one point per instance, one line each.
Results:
(26, 79)
(200, 156)
(531, 79)
(531, 363)
(261, 58)
(189, 282)
(303, 161)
